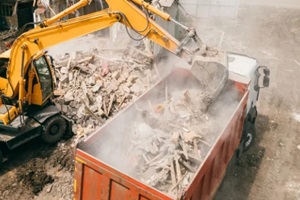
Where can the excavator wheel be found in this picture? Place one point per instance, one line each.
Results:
(54, 129)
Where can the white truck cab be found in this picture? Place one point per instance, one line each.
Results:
(247, 68)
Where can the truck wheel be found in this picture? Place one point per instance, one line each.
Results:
(249, 136)
(54, 129)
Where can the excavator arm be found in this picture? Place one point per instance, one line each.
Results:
(28, 46)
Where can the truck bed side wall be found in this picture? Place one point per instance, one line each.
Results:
(212, 172)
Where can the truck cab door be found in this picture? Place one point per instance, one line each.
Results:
(42, 82)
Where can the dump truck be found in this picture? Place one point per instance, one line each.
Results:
(165, 146)
(171, 143)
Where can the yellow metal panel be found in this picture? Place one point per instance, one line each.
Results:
(3, 82)
(36, 97)
(10, 115)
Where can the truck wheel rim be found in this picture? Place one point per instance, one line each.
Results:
(249, 139)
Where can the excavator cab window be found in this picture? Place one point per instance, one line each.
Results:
(45, 78)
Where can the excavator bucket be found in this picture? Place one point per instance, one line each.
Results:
(211, 69)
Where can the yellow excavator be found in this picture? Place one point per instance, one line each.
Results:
(27, 74)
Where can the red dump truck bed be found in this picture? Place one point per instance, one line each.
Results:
(111, 164)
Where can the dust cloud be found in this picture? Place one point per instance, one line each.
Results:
(147, 127)
(106, 40)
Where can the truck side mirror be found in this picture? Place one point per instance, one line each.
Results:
(266, 81)
(266, 71)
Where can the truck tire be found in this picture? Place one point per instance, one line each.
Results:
(249, 136)
(54, 129)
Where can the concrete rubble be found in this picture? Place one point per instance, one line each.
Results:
(167, 141)
(6, 39)
(91, 86)
(170, 140)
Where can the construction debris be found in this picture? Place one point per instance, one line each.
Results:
(170, 135)
(92, 87)
(170, 140)
(6, 39)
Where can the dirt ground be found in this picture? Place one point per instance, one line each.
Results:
(269, 170)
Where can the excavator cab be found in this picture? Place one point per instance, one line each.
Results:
(42, 82)
(38, 89)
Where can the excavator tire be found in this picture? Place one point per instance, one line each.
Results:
(54, 129)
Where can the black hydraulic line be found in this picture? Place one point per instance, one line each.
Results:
(22, 30)
(127, 31)
(123, 16)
